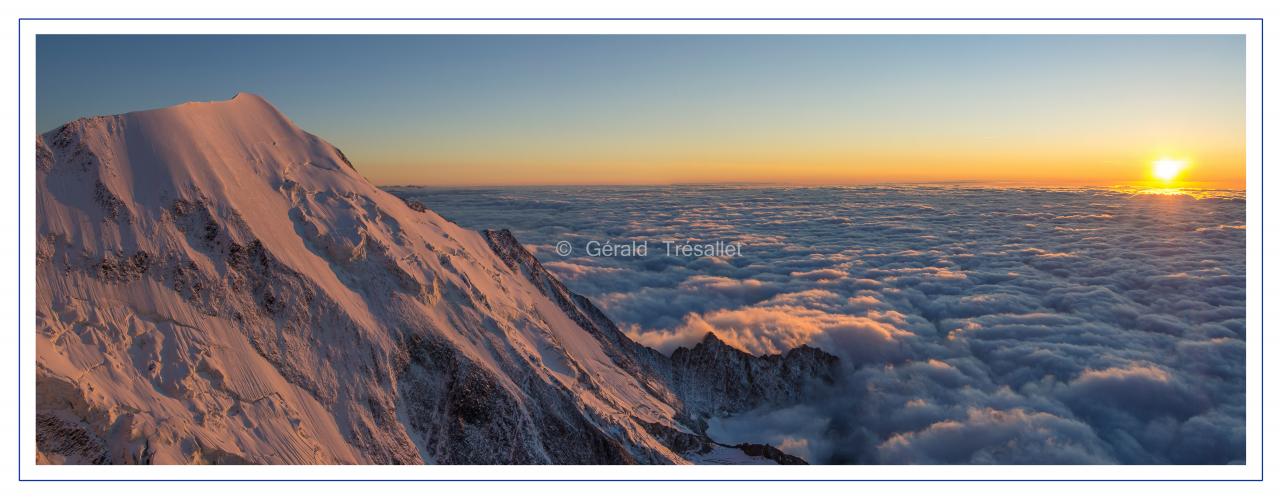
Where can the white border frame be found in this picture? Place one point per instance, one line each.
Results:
(1250, 28)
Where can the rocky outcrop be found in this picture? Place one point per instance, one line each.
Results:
(769, 452)
(711, 379)
(715, 378)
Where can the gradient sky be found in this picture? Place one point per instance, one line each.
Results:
(807, 109)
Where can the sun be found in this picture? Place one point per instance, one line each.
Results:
(1167, 169)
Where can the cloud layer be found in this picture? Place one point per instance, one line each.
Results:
(981, 325)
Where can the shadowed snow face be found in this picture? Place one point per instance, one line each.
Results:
(984, 325)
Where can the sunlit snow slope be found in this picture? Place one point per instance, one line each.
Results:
(216, 285)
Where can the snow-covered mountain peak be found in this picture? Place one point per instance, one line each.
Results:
(218, 285)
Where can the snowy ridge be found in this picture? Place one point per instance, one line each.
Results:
(711, 379)
(216, 285)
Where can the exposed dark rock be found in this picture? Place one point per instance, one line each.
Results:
(770, 452)
(113, 208)
(467, 417)
(123, 269)
(679, 441)
(417, 206)
(57, 436)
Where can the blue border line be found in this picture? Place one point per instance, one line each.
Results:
(1262, 213)
(19, 335)
(1261, 269)
(641, 19)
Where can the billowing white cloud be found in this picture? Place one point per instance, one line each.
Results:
(980, 325)
(991, 436)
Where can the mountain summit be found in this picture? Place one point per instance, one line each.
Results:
(216, 285)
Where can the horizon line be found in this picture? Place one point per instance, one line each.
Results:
(1190, 186)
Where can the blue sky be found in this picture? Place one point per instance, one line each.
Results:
(499, 109)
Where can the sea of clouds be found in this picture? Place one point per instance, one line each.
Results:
(978, 325)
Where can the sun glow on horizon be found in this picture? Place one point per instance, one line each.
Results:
(1166, 169)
